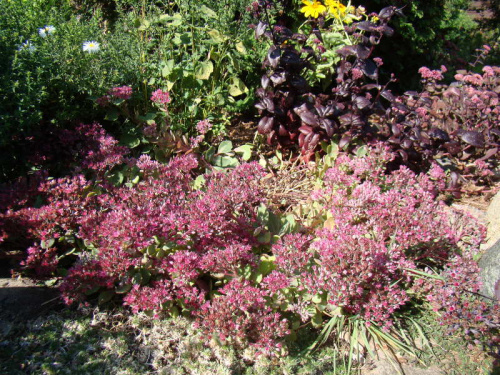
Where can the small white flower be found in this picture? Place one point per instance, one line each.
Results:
(91, 47)
(27, 46)
(46, 30)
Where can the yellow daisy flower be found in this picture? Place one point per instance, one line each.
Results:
(336, 8)
(312, 8)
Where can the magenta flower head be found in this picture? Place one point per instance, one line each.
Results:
(160, 97)
(123, 92)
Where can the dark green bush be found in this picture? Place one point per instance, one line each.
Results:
(432, 33)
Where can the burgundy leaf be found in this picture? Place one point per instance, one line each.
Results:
(351, 119)
(265, 125)
(436, 133)
(264, 81)
(471, 137)
(260, 105)
(344, 141)
(387, 12)
(269, 104)
(327, 124)
(362, 52)
(347, 51)
(388, 95)
(260, 29)
(369, 68)
(388, 31)
(274, 56)
(308, 118)
(361, 102)
(411, 93)
(291, 58)
(491, 152)
(453, 147)
(278, 78)
(304, 129)
(366, 26)
(282, 131)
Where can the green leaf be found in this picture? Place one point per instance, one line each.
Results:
(237, 87)
(130, 140)
(245, 151)
(167, 68)
(225, 161)
(206, 11)
(125, 288)
(48, 244)
(240, 47)
(105, 296)
(204, 70)
(225, 147)
(112, 115)
(173, 20)
(263, 214)
(116, 178)
(216, 36)
(199, 182)
(274, 223)
(362, 151)
(144, 25)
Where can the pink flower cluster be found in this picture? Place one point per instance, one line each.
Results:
(122, 92)
(240, 315)
(160, 97)
(435, 75)
(385, 226)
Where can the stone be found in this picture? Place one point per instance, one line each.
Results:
(493, 219)
(490, 269)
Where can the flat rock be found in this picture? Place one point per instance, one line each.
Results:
(493, 219)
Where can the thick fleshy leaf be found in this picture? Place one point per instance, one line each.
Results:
(471, 137)
(260, 105)
(299, 37)
(265, 125)
(406, 144)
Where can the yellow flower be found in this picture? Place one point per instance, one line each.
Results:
(312, 8)
(336, 9)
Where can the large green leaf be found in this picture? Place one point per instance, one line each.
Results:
(204, 70)
(237, 87)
